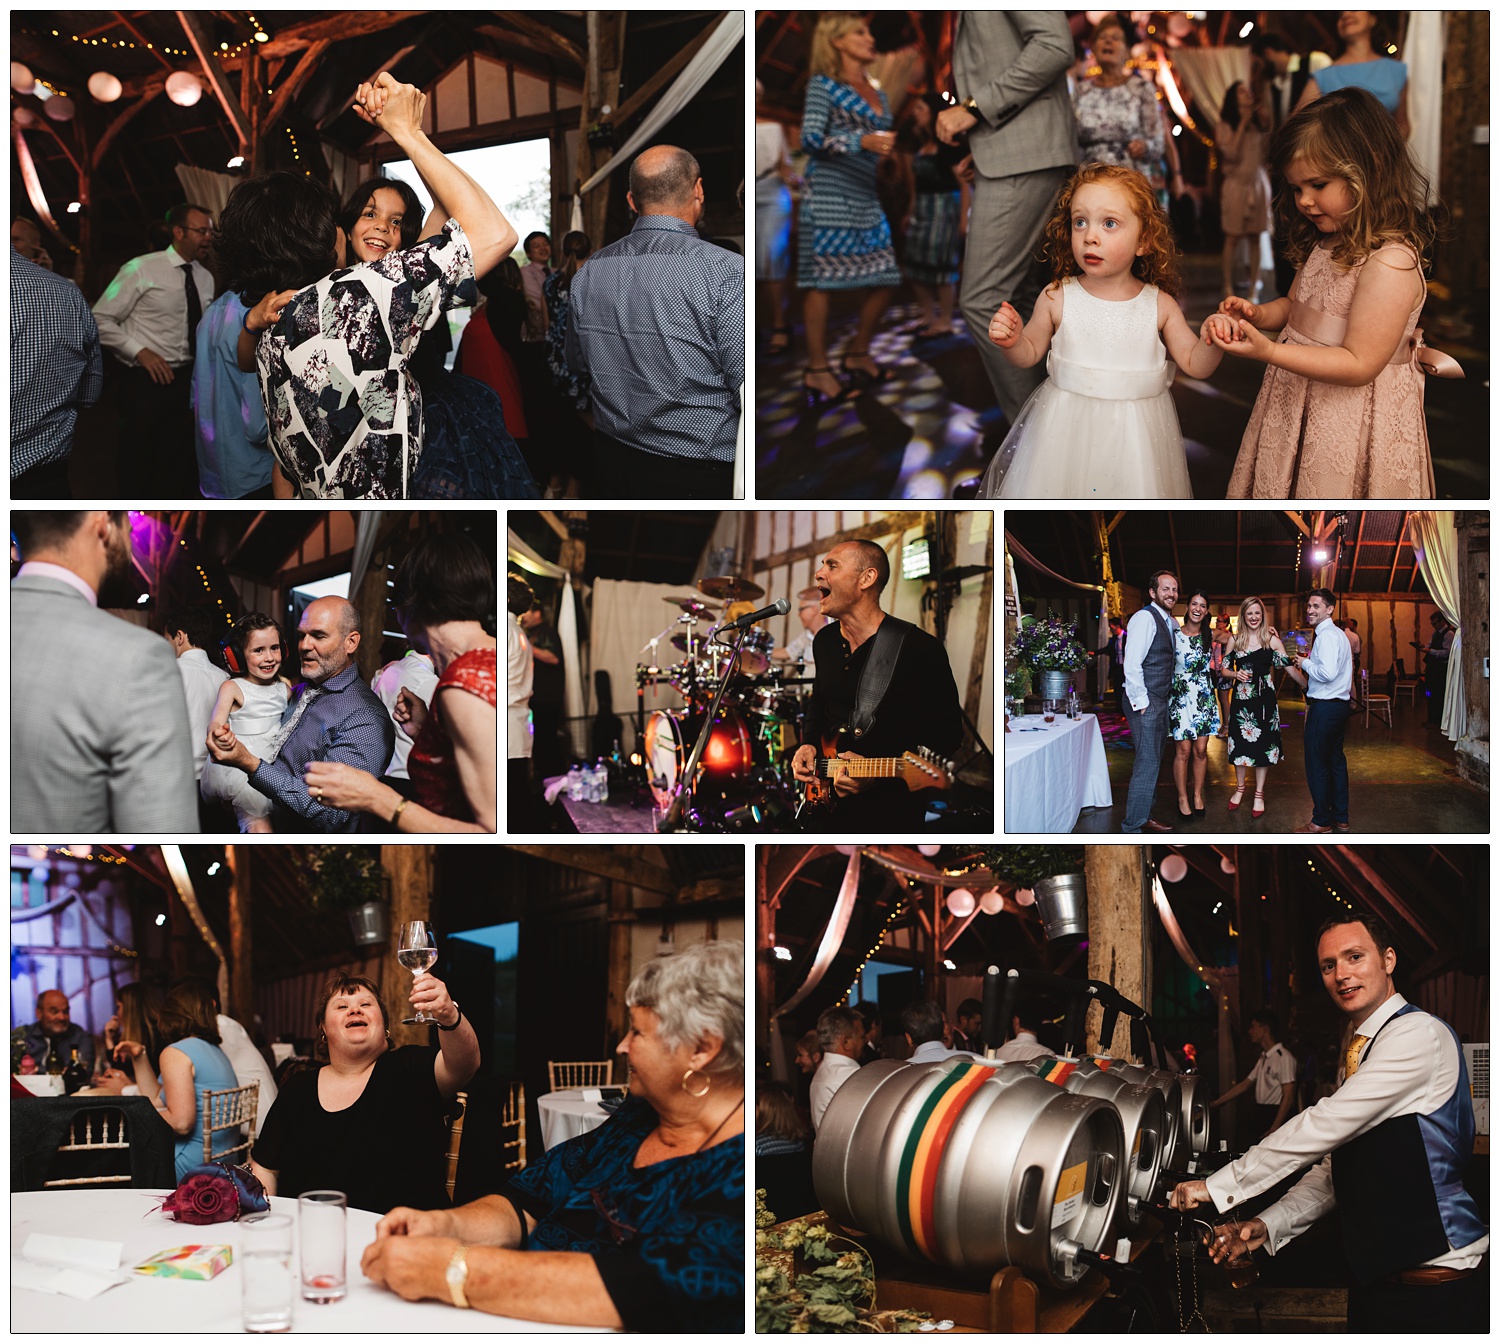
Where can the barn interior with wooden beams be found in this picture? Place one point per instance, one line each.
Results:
(1417, 746)
(270, 924)
(1159, 969)
(637, 600)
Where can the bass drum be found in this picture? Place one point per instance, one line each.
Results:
(670, 735)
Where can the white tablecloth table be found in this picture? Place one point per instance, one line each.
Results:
(565, 1115)
(1053, 774)
(178, 1306)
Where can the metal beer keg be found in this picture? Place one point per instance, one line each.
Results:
(973, 1165)
(1144, 1113)
(1186, 1092)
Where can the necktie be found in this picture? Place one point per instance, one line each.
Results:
(286, 729)
(1351, 1056)
(194, 307)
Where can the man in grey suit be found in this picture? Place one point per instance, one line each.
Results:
(1009, 71)
(99, 738)
(1150, 657)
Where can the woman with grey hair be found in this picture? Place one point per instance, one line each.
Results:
(642, 1219)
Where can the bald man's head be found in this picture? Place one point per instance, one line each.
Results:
(665, 180)
(328, 636)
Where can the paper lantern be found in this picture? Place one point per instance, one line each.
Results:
(847, 849)
(23, 116)
(105, 87)
(59, 109)
(183, 88)
(21, 78)
(1025, 896)
(1226, 864)
(992, 902)
(928, 850)
(1173, 868)
(961, 902)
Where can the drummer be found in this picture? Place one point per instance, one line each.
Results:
(799, 647)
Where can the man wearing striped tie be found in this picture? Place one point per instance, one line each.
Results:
(1390, 1148)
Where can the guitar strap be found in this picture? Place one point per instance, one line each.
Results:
(875, 680)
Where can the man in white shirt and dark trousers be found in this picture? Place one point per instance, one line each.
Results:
(841, 1033)
(1328, 674)
(190, 632)
(1390, 1147)
(1274, 1076)
(148, 317)
(1150, 657)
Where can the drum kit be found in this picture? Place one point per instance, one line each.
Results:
(744, 777)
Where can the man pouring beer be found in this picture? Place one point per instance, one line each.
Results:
(1390, 1147)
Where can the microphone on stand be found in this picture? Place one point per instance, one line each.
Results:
(779, 607)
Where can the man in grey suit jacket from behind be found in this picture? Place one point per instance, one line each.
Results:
(1009, 71)
(99, 738)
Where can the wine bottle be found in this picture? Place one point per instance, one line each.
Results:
(55, 1062)
(76, 1075)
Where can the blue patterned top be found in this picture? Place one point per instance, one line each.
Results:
(669, 1239)
(1384, 78)
(845, 238)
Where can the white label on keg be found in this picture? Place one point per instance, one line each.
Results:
(1069, 1197)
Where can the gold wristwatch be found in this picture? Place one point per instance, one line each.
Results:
(972, 108)
(457, 1275)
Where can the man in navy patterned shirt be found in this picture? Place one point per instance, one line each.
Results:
(56, 368)
(657, 321)
(336, 718)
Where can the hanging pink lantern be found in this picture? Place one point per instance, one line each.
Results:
(961, 903)
(928, 850)
(21, 78)
(60, 109)
(1025, 896)
(184, 88)
(23, 116)
(992, 902)
(1173, 868)
(105, 87)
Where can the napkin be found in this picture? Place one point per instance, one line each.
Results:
(592, 1094)
(72, 1266)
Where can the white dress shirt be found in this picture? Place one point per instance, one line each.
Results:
(519, 667)
(249, 1065)
(145, 307)
(1329, 668)
(1414, 1072)
(933, 1052)
(832, 1074)
(1025, 1046)
(200, 683)
(800, 647)
(1273, 1070)
(1139, 632)
(412, 673)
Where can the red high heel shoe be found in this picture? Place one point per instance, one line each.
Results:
(1259, 809)
(1234, 806)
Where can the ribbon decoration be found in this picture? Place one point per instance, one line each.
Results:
(1016, 547)
(183, 884)
(833, 937)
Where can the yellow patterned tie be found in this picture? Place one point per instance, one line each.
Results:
(1351, 1056)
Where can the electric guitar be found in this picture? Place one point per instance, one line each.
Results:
(920, 769)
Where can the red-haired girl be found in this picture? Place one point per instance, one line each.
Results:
(1103, 423)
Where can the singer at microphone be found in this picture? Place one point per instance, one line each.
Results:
(779, 607)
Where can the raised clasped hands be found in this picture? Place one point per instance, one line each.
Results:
(1005, 326)
(395, 107)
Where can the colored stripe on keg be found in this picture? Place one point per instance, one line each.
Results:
(923, 1150)
(1056, 1070)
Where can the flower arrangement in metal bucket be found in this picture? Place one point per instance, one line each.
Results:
(1049, 645)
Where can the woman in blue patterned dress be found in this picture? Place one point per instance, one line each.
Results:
(1254, 718)
(572, 387)
(1194, 710)
(845, 238)
(641, 1221)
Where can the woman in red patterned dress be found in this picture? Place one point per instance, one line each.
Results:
(445, 597)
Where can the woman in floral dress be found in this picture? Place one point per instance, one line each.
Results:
(1194, 710)
(1254, 719)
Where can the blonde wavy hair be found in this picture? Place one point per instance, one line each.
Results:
(1156, 266)
(1348, 134)
(1241, 631)
(832, 25)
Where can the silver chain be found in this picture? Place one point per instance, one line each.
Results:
(1184, 1322)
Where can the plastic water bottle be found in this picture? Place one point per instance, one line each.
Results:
(594, 789)
(601, 773)
(575, 784)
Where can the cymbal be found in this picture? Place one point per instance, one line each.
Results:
(692, 605)
(728, 588)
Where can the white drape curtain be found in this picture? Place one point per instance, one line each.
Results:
(695, 74)
(366, 531)
(1426, 37)
(1206, 74)
(625, 616)
(833, 937)
(203, 187)
(1435, 541)
(522, 556)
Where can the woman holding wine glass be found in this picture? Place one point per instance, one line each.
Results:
(1254, 717)
(1194, 710)
(372, 1121)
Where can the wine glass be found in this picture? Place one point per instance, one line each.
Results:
(417, 950)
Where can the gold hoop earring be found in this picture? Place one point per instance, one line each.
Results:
(707, 1083)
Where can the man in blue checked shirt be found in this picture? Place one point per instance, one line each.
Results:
(335, 717)
(657, 321)
(56, 369)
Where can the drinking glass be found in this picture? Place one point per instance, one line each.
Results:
(1049, 710)
(320, 1231)
(266, 1273)
(417, 950)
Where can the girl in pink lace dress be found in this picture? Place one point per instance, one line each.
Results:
(1339, 414)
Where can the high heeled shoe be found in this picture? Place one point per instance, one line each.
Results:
(1259, 807)
(863, 377)
(1200, 811)
(816, 396)
(1234, 806)
(1186, 816)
